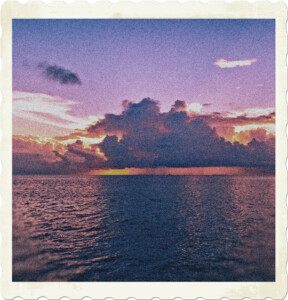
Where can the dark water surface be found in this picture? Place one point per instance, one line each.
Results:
(143, 228)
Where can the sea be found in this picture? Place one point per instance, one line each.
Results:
(143, 228)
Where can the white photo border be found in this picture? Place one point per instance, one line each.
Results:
(145, 290)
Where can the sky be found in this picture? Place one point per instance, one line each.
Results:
(92, 95)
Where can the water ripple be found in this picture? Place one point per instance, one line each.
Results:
(143, 228)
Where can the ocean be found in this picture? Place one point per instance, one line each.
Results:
(143, 228)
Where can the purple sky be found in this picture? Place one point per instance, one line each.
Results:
(70, 78)
(132, 59)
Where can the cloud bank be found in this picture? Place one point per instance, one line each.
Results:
(59, 74)
(143, 137)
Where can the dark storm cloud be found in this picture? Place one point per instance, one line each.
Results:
(173, 139)
(145, 114)
(59, 74)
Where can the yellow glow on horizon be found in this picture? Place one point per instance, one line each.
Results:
(110, 172)
(178, 171)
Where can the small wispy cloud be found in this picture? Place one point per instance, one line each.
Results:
(59, 74)
(224, 63)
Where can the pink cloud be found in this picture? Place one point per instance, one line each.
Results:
(224, 63)
(49, 110)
